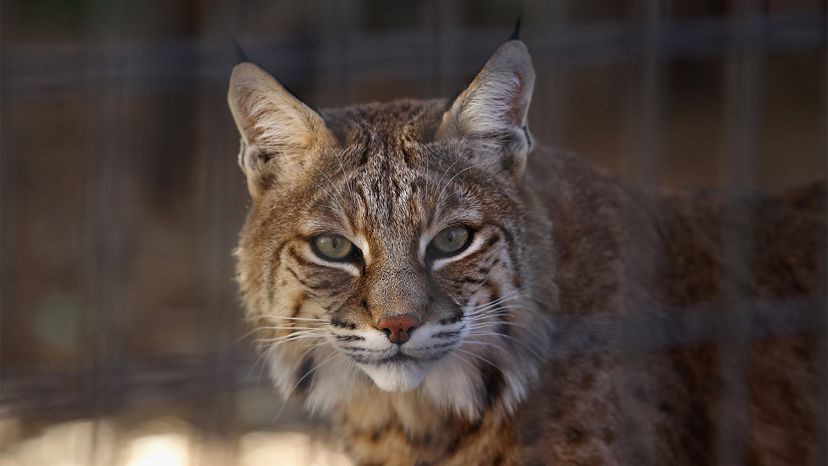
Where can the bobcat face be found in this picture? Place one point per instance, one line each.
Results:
(386, 239)
(396, 252)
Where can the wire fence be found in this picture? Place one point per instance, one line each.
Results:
(121, 201)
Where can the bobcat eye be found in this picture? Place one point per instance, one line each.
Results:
(333, 247)
(449, 242)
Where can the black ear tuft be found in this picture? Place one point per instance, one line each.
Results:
(243, 58)
(516, 32)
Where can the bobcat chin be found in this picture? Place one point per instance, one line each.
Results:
(408, 267)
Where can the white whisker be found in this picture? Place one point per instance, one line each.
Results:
(288, 327)
(292, 336)
(273, 343)
(496, 311)
(483, 343)
(439, 197)
(338, 192)
(264, 328)
(309, 319)
(478, 333)
(329, 194)
(482, 359)
(440, 181)
(496, 303)
(492, 304)
(497, 323)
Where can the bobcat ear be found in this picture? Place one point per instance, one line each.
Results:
(280, 134)
(492, 110)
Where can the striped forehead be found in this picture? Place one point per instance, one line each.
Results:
(387, 198)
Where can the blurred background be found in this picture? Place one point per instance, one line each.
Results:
(121, 340)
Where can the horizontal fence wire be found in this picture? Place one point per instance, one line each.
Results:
(187, 376)
(42, 69)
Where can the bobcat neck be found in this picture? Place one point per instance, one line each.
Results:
(381, 428)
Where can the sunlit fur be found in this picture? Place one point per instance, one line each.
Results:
(475, 384)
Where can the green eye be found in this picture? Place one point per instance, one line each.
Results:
(332, 247)
(450, 241)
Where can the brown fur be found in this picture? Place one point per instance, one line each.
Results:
(579, 247)
(785, 234)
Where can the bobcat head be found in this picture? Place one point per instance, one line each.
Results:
(386, 243)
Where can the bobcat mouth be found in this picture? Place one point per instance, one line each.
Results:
(398, 357)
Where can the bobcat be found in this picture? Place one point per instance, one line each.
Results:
(414, 268)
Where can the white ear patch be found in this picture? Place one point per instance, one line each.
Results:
(492, 110)
(493, 106)
(274, 125)
(498, 98)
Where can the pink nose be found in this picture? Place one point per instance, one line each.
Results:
(398, 328)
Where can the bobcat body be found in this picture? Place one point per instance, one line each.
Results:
(423, 350)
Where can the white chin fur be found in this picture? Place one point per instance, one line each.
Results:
(396, 377)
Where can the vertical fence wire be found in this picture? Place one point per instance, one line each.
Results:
(637, 389)
(8, 130)
(441, 22)
(542, 16)
(336, 26)
(743, 75)
(647, 109)
(102, 358)
(214, 157)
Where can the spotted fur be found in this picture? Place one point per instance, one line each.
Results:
(478, 382)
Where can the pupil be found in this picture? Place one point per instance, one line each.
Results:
(334, 242)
